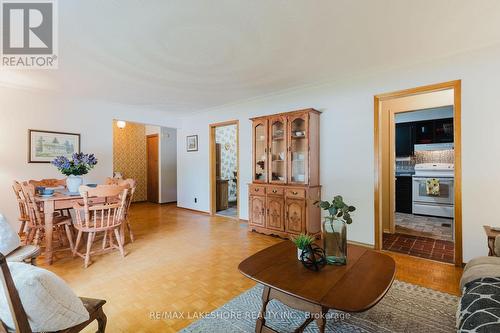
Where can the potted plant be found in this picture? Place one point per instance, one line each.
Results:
(302, 241)
(79, 164)
(334, 230)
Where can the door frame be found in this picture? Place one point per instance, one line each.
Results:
(380, 160)
(213, 180)
(157, 167)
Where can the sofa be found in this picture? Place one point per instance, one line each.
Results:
(479, 306)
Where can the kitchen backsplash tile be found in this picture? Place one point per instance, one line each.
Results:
(407, 164)
(437, 156)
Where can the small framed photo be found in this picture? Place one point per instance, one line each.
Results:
(192, 143)
(44, 146)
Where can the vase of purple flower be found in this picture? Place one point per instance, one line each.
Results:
(79, 164)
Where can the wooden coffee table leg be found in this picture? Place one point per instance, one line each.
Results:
(321, 319)
(304, 325)
(262, 314)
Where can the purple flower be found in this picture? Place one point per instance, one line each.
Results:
(80, 163)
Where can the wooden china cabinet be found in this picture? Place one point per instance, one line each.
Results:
(285, 181)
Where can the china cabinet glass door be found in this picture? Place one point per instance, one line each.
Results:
(260, 151)
(277, 149)
(299, 149)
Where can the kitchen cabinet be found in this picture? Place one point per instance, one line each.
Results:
(404, 194)
(422, 132)
(285, 181)
(405, 139)
(443, 130)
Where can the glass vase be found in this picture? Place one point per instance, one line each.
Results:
(335, 241)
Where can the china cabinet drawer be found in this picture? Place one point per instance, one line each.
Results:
(275, 190)
(257, 190)
(296, 193)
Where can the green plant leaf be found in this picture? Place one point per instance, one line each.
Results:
(324, 205)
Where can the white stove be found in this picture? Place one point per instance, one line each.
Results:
(435, 170)
(440, 204)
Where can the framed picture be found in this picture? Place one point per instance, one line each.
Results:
(44, 146)
(192, 143)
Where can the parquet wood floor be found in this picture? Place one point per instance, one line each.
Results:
(187, 261)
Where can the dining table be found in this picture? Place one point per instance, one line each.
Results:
(61, 199)
(50, 205)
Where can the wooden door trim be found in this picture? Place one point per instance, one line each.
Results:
(212, 171)
(457, 133)
(157, 166)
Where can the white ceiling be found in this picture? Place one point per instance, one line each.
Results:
(187, 55)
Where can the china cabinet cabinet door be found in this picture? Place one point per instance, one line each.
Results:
(295, 216)
(260, 163)
(277, 150)
(275, 210)
(298, 154)
(257, 211)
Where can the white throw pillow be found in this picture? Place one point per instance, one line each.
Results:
(48, 301)
(9, 239)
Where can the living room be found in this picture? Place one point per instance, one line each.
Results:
(313, 73)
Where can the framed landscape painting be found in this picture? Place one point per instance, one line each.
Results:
(192, 143)
(44, 146)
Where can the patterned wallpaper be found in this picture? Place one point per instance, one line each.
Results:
(129, 155)
(226, 136)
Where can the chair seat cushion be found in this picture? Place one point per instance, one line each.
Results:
(9, 239)
(48, 301)
(23, 253)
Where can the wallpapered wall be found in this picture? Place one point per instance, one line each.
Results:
(226, 136)
(129, 155)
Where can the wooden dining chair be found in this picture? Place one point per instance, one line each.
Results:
(23, 209)
(52, 182)
(20, 318)
(37, 223)
(100, 213)
(48, 182)
(131, 185)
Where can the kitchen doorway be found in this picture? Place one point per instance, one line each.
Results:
(418, 167)
(224, 169)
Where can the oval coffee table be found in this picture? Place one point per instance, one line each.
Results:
(355, 287)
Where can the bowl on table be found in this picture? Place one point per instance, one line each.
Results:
(47, 192)
(91, 185)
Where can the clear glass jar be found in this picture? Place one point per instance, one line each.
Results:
(335, 241)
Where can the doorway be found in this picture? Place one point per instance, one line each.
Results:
(152, 150)
(224, 169)
(418, 172)
(148, 154)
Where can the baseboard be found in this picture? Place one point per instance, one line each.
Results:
(370, 246)
(194, 210)
(168, 202)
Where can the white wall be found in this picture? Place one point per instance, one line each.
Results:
(167, 151)
(347, 158)
(168, 169)
(21, 110)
